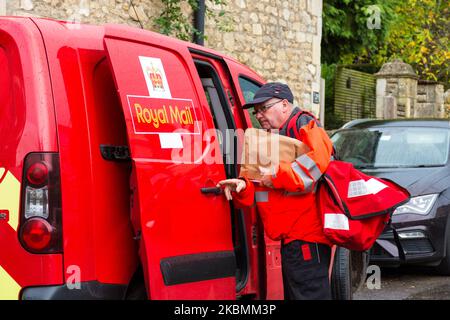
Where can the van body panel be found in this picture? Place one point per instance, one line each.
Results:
(98, 236)
(27, 124)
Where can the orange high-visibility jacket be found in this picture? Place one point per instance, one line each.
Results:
(289, 211)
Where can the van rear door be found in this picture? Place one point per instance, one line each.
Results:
(182, 222)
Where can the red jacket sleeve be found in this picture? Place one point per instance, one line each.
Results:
(246, 197)
(302, 174)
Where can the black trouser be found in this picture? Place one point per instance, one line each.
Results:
(305, 270)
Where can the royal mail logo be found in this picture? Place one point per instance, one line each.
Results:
(154, 115)
(155, 77)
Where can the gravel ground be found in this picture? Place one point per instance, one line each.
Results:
(408, 283)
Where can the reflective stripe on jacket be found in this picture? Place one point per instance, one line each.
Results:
(302, 174)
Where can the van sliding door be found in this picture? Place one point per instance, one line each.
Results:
(259, 270)
(225, 125)
(246, 83)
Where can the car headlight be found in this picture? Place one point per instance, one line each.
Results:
(418, 205)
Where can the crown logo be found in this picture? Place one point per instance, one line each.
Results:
(155, 77)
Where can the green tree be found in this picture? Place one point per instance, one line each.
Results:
(420, 37)
(348, 29)
(417, 31)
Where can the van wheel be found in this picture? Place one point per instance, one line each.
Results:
(136, 288)
(341, 279)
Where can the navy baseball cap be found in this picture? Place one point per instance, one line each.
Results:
(271, 90)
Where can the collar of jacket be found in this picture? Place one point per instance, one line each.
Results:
(283, 128)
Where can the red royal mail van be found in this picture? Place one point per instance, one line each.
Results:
(113, 139)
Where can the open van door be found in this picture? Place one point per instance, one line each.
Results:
(182, 221)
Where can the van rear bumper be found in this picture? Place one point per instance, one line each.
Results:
(91, 290)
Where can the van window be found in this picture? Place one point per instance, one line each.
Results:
(249, 89)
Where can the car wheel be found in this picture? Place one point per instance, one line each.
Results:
(341, 275)
(444, 267)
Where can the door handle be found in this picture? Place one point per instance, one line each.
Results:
(212, 190)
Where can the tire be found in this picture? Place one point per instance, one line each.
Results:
(359, 263)
(341, 275)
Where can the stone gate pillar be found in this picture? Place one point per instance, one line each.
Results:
(396, 93)
(430, 100)
(447, 103)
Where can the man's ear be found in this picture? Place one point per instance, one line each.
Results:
(285, 106)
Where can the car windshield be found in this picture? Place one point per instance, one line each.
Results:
(393, 147)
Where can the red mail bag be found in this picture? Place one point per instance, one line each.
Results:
(355, 207)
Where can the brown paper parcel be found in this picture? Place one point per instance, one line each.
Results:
(263, 150)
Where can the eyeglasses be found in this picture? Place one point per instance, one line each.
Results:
(263, 109)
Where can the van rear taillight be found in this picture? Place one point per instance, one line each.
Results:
(36, 202)
(37, 234)
(37, 173)
(40, 218)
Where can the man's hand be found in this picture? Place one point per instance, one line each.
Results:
(236, 185)
(266, 179)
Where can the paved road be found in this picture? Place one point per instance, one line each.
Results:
(407, 283)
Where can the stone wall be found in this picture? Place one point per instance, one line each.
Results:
(280, 39)
(89, 11)
(430, 99)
